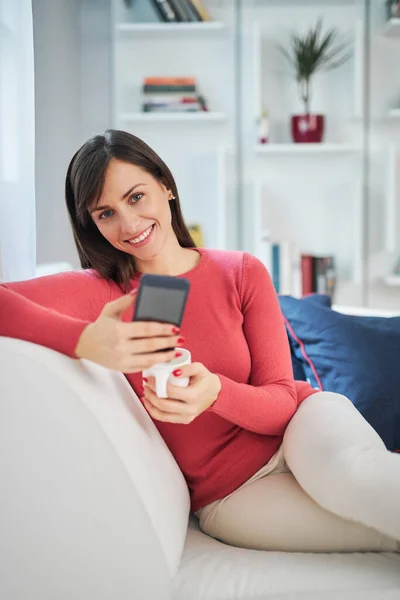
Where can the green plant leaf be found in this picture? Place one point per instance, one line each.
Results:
(315, 51)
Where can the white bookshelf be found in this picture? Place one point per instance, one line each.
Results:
(300, 149)
(312, 195)
(168, 28)
(176, 117)
(392, 281)
(392, 28)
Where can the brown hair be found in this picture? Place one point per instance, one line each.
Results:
(83, 187)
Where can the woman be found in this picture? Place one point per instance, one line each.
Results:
(270, 462)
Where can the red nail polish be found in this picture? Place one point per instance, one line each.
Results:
(145, 379)
(181, 340)
(177, 373)
(177, 354)
(175, 330)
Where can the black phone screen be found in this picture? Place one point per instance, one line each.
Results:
(161, 304)
(161, 298)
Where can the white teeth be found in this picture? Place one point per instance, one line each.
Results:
(141, 237)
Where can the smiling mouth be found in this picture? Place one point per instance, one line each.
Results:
(142, 236)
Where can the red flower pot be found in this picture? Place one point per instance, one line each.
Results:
(308, 128)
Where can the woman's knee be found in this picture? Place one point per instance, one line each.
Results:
(325, 396)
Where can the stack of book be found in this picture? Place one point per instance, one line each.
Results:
(295, 273)
(171, 94)
(173, 11)
(318, 274)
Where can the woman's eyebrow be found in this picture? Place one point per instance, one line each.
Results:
(122, 197)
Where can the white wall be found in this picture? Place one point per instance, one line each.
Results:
(56, 25)
(17, 139)
(95, 22)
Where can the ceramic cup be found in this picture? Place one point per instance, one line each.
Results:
(162, 372)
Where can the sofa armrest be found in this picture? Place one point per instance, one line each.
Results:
(93, 504)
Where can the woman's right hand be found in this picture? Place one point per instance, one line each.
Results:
(126, 347)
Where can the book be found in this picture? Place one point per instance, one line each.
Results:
(151, 89)
(178, 10)
(185, 7)
(167, 85)
(200, 10)
(307, 283)
(318, 275)
(171, 107)
(165, 10)
(163, 80)
(285, 268)
(170, 97)
(276, 259)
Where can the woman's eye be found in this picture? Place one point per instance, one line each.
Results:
(133, 200)
(136, 197)
(106, 214)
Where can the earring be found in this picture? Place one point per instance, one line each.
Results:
(172, 198)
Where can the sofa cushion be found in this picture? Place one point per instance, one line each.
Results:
(297, 364)
(215, 571)
(356, 356)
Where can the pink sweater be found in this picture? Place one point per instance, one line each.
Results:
(232, 324)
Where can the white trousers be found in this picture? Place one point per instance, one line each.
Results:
(331, 487)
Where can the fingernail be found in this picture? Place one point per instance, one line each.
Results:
(133, 292)
(145, 379)
(177, 373)
(177, 354)
(175, 330)
(181, 340)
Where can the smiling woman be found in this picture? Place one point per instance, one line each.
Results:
(123, 202)
(271, 463)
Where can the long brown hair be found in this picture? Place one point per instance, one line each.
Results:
(83, 187)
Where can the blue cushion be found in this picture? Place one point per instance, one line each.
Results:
(352, 355)
(297, 364)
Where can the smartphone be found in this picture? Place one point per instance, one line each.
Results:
(161, 298)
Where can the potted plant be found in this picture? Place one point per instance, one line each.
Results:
(314, 51)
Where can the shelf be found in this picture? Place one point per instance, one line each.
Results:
(206, 116)
(392, 280)
(392, 28)
(394, 113)
(302, 3)
(205, 26)
(305, 148)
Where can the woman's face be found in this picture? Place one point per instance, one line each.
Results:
(133, 211)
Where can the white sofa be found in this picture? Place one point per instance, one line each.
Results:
(94, 507)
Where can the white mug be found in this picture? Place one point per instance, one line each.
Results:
(162, 372)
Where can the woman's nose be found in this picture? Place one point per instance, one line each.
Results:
(129, 223)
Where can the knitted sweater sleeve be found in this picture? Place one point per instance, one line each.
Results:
(267, 402)
(51, 311)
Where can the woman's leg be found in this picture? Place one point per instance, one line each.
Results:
(342, 463)
(274, 513)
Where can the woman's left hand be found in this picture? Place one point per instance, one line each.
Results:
(183, 405)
